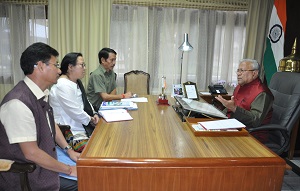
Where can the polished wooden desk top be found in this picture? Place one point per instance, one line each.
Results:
(157, 134)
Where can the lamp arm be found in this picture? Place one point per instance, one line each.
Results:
(181, 66)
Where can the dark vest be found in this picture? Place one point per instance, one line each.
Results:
(246, 94)
(40, 179)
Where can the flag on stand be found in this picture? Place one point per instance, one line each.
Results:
(275, 40)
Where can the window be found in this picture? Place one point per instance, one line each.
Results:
(147, 38)
(21, 25)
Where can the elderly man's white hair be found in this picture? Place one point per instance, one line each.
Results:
(255, 64)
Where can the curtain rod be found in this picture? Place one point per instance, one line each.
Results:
(233, 5)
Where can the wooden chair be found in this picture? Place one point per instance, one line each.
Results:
(137, 82)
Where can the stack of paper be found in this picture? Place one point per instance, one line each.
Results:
(223, 124)
(129, 105)
(115, 115)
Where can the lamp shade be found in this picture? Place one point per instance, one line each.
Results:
(185, 46)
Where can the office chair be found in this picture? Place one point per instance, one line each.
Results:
(137, 82)
(285, 87)
(22, 168)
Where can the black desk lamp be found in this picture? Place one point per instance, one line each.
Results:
(185, 47)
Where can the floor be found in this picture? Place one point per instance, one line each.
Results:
(291, 180)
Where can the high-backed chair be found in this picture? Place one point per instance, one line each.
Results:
(285, 87)
(137, 82)
(22, 168)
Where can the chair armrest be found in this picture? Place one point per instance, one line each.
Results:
(274, 127)
(22, 167)
(267, 127)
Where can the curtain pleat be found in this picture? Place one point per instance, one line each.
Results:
(147, 39)
(21, 25)
(259, 13)
(80, 26)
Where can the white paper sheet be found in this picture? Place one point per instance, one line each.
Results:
(115, 115)
(136, 99)
(222, 124)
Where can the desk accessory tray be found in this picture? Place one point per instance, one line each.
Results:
(193, 121)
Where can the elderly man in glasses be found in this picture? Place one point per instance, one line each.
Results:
(251, 102)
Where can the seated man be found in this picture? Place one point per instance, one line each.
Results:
(102, 82)
(28, 132)
(251, 101)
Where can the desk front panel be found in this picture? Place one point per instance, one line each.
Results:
(156, 151)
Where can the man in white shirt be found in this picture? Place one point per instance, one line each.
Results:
(27, 129)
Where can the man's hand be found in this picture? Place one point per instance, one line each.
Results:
(95, 120)
(73, 155)
(229, 104)
(73, 171)
(128, 95)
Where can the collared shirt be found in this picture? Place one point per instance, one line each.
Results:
(18, 119)
(100, 81)
(66, 101)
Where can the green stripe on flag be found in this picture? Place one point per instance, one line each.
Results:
(269, 62)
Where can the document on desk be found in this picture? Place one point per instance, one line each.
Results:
(115, 115)
(222, 124)
(136, 99)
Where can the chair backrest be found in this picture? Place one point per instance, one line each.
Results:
(137, 82)
(285, 87)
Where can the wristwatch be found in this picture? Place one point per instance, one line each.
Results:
(67, 148)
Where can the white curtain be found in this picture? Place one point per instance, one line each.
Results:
(20, 26)
(147, 38)
(80, 26)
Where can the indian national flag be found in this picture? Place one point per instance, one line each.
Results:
(275, 39)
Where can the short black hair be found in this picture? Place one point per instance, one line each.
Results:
(36, 52)
(70, 58)
(104, 53)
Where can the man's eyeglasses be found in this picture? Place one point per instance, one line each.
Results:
(82, 65)
(242, 71)
(57, 65)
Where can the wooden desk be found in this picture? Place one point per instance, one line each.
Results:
(156, 151)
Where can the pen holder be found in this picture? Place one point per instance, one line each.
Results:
(162, 100)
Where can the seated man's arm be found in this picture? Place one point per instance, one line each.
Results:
(33, 153)
(23, 132)
(97, 85)
(113, 95)
(61, 141)
(259, 109)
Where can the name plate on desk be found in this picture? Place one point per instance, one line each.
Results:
(209, 133)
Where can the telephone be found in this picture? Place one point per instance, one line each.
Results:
(217, 89)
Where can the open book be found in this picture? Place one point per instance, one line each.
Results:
(115, 115)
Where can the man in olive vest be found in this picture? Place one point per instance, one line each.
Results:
(27, 129)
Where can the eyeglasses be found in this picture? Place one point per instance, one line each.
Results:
(57, 65)
(242, 71)
(82, 65)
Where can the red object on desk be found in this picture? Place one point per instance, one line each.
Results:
(162, 101)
